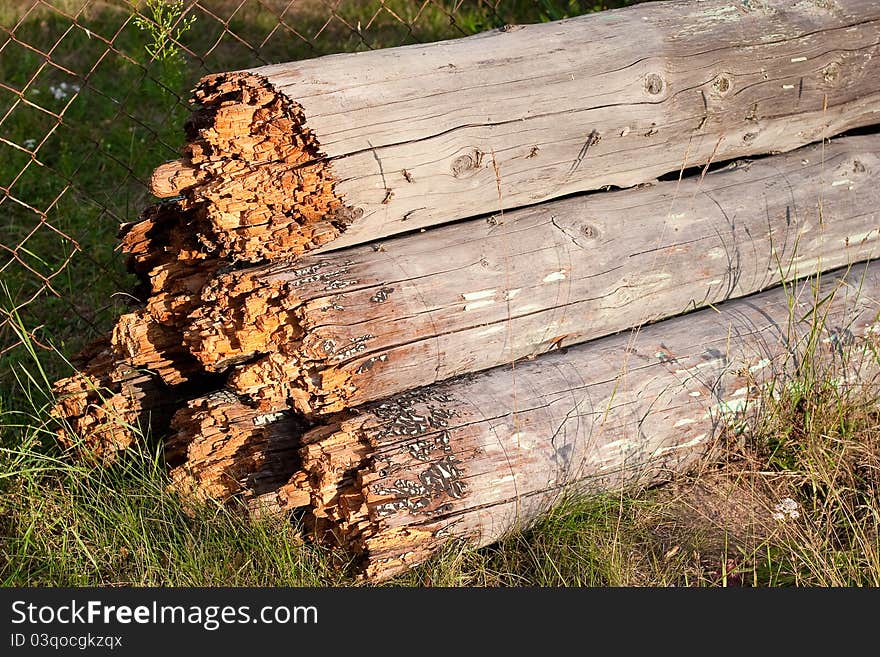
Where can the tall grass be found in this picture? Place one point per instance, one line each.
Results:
(66, 522)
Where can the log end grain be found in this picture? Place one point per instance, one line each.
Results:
(101, 409)
(220, 448)
(173, 178)
(254, 172)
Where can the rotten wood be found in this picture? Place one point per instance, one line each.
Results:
(478, 457)
(101, 409)
(163, 250)
(144, 344)
(329, 331)
(348, 148)
(220, 448)
(130, 382)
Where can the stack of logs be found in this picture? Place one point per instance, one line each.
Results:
(310, 336)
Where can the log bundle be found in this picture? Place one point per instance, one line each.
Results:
(479, 457)
(330, 331)
(311, 337)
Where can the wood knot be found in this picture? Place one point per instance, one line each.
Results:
(831, 72)
(653, 84)
(467, 164)
(589, 231)
(173, 178)
(346, 215)
(510, 28)
(722, 84)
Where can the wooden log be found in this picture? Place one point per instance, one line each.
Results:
(345, 149)
(143, 343)
(164, 250)
(335, 330)
(101, 408)
(477, 457)
(220, 448)
(131, 381)
(124, 384)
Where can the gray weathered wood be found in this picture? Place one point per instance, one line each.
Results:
(479, 456)
(333, 330)
(424, 134)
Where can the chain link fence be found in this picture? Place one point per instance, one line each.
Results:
(93, 96)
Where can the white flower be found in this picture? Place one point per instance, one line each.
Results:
(787, 508)
(63, 90)
(30, 143)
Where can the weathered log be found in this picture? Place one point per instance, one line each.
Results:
(145, 344)
(163, 250)
(287, 158)
(101, 408)
(220, 448)
(131, 381)
(335, 330)
(479, 456)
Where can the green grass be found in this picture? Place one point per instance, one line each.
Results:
(74, 525)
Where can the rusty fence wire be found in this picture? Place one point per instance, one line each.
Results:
(93, 96)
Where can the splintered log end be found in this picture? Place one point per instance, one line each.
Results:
(335, 471)
(206, 437)
(240, 87)
(268, 190)
(242, 314)
(396, 551)
(98, 416)
(329, 456)
(293, 495)
(102, 409)
(288, 497)
(344, 469)
(221, 448)
(173, 178)
(143, 342)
